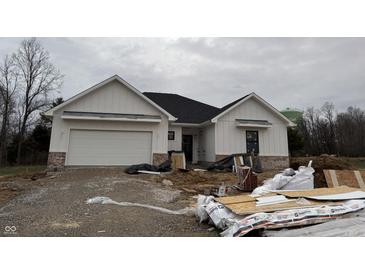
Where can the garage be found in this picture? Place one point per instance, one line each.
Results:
(109, 148)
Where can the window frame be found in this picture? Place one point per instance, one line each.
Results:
(258, 142)
(173, 135)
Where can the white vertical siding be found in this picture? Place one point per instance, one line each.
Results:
(207, 144)
(232, 139)
(111, 98)
(114, 97)
(175, 144)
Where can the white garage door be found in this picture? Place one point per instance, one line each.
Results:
(106, 148)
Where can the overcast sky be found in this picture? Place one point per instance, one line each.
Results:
(287, 72)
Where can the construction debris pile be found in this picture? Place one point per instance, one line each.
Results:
(289, 179)
(149, 169)
(320, 163)
(289, 200)
(239, 159)
(176, 161)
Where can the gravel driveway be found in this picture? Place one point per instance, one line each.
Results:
(56, 206)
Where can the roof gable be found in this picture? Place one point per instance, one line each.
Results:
(176, 107)
(238, 102)
(87, 93)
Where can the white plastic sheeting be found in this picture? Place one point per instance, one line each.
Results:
(106, 200)
(349, 227)
(303, 179)
(235, 225)
(218, 214)
(201, 204)
(340, 196)
(293, 217)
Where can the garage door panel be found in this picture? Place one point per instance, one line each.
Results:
(94, 147)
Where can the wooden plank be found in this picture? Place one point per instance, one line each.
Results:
(333, 177)
(359, 179)
(238, 161)
(328, 178)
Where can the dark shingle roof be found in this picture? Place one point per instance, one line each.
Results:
(231, 104)
(185, 109)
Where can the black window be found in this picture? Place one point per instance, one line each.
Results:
(171, 135)
(252, 141)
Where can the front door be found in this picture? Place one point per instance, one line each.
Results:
(187, 147)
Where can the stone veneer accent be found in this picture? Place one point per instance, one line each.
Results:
(159, 158)
(274, 162)
(56, 160)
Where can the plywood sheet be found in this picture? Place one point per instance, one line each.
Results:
(178, 161)
(235, 199)
(251, 208)
(351, 178)
(316, 191)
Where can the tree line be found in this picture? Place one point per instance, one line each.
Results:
(28, 82)
(325, 131)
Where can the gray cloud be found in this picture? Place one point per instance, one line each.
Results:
(288, 72)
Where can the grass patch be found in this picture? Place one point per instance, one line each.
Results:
(358, 163)
(20, 170)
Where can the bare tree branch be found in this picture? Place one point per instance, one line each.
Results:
(39, 79)
(8, 88)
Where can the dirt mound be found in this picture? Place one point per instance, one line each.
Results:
(319, 164)
(8, 191)
(198, 180)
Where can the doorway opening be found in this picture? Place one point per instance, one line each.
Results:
(187, 147)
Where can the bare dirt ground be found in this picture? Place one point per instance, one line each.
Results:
(56, 206)
(324, 162)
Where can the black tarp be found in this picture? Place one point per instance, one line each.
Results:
(227, 162)
(164, 167)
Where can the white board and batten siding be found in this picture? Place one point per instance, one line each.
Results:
(232, 139)
(176, 143)
(207, 144)
(113, 97)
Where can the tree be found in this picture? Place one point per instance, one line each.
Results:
(8, 88)
(295, 141)
(330, 136)
(39, 78)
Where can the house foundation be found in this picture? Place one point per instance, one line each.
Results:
(56, 161)
(274, 162)
(159, 158)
